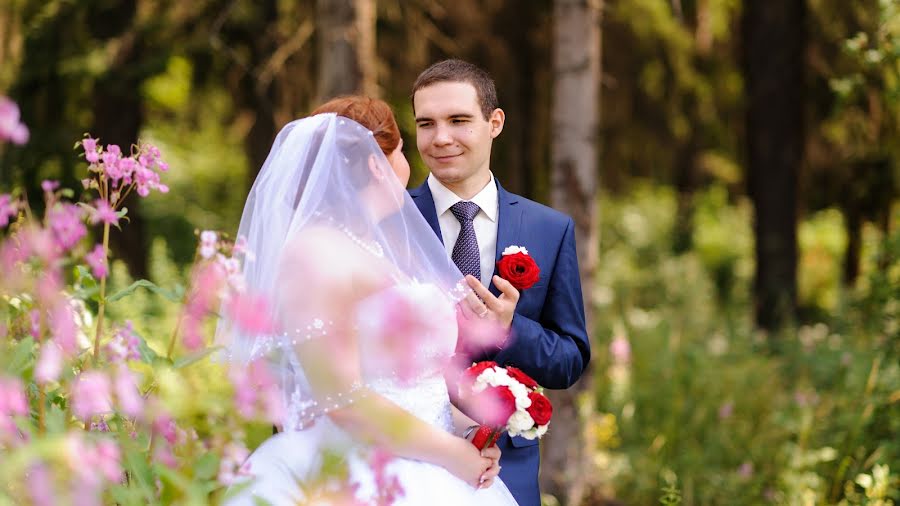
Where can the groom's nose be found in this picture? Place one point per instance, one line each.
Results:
(442, 135)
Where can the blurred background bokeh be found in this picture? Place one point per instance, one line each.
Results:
(733, 168)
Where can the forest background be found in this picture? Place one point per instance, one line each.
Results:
(733, 169)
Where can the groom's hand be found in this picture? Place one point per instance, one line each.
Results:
(500, 308)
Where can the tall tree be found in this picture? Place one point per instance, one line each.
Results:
(574, 184)
(774, 39)
(346, 35)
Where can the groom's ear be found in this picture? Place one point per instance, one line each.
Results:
(497, 119)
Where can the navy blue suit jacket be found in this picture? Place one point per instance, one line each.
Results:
(548, 339)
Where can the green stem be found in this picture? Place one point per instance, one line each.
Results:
(102, 302)
(42, 398)
(171, 348)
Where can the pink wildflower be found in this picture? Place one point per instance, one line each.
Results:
(49, 186)
(388, 486)
(34, 318)
(104, 213)
(90, 150)
(100, 426)
(130, 401)
(125, 345)
(10, 127)
(620, 350)
(726, 410)
(107, 458)
(40, 485)
(208, 244)
(91, 395)
(63, 327)
(13, 402)
(250, 313)
(66, 225)
(255, 389)
(96, 259)
(49, 364)
(233, 464)
(8, 209)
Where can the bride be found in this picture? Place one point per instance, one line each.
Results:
(367, 302)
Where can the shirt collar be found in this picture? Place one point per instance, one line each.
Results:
(444, 198)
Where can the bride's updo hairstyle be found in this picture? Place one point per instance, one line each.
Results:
(372, 113)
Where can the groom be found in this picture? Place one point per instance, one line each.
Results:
(457, 119)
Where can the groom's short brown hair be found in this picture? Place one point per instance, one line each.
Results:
(458, 71)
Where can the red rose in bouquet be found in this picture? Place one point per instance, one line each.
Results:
(540, 410)
(522, 378)
(517, 267)
(504, 399)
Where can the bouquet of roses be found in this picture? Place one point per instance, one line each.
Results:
(504, 399)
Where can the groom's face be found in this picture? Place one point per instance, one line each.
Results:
(452, 134)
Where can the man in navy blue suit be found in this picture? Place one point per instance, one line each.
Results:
(457, 119)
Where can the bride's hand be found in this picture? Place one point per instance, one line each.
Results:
(488, 477)
(467, 464)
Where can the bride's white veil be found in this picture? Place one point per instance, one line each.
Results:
(316, 173)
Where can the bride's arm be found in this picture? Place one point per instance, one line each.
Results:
(329, 274)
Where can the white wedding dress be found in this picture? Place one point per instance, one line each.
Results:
(281, 465)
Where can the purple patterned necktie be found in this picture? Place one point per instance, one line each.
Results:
(465, 253)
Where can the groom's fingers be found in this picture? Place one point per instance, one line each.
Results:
(506, 288)
(489, 300)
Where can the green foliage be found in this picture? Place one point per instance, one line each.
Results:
(703, 399)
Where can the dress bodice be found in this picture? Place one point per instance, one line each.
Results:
(406, 334)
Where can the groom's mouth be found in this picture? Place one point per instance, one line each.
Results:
(446, 158)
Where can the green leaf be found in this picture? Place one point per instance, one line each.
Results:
(147, 354)
(148, 285)
(206, 466)
(195, 357)
(55, 419)
(21, 356)
(141, 473)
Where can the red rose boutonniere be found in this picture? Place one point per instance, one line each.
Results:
(517, 267)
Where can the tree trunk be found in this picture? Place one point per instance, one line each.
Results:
(574, 184)
(346, 36)
(773, 45)
(118, 116)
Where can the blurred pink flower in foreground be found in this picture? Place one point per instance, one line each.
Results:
(233, 464)
(250, 313)
(388, 486)
(11, 128)
(96, 259)
(91, 395)
(125, 345)
(129, 398)
(40, 485)
(209, 241)
(66, 225)
(256, 391)
(12, 403)
(49, 364)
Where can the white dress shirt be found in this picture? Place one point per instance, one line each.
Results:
(485, 222)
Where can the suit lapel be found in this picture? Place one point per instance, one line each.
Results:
(509, 220)
(425, 202)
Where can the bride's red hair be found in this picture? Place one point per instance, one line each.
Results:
(372, 113)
